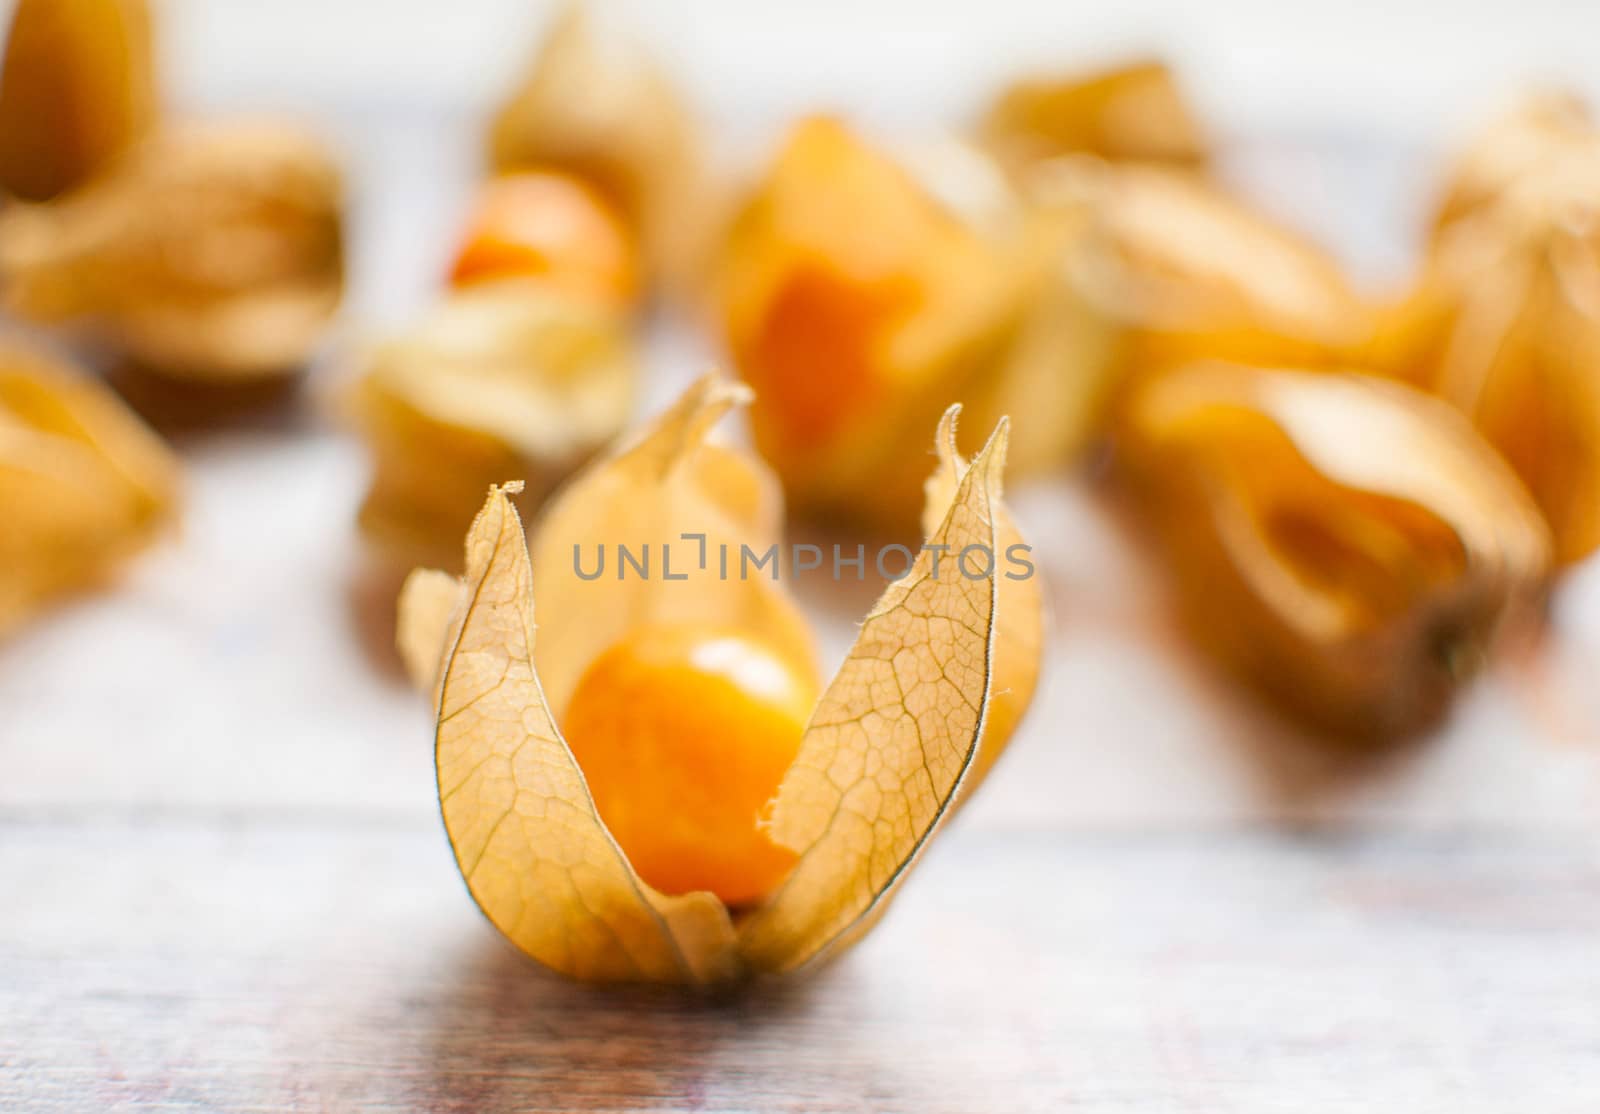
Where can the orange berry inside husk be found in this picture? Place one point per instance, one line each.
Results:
(683, 733)
(816, 358)
(550, 226)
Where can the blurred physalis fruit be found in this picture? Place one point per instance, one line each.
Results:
(552, 227)
(213, 253)
(1189, 273)
(860, 300)
(1347, 545)
(1504, 322)
(711, 819)
(77, 89)
(1545, 135)
(83, 483)
(1133, 112)
(595, 106)
(503, 379)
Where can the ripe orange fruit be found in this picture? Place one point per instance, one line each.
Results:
(683, 733)
(551, 226)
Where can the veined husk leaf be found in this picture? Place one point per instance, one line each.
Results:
(526, 836)
(860, 295)
(1020, 607)
(1133, 112)
(907, 728)
(504, 378)
(213, 253)
(1347, 545)
(889, 751)
(83, 483)
(1504, 321)
(78, 88)
(593, 104)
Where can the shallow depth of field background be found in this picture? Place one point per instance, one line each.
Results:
(222, 791)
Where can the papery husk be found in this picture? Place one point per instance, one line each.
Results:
(1504, 319)
(1132, 112)
(1186, 272)
(897, 741)
(1019, 604)
(1348, 546)
(213, 253)
(910, 293)
(1050, 352)
(649, 492)
(77, 90)
(502, 379)
(888, 753)
(1548, 133)
(595, 105)
(526, 836)
(83, 483)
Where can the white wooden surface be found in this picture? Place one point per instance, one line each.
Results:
(219, 962)
(223, 883)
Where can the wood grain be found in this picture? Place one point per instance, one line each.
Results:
(283, 964)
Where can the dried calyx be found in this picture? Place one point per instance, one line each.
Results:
(560, 848)
(214, 252)
(83, 483)
(504, 377)
(1504, 319)
(1347, 545)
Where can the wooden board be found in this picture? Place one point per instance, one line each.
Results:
(279, 962)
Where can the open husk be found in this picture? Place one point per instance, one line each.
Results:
(897, 739)
(1348, 546)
